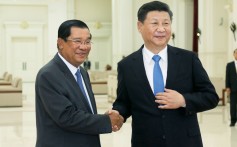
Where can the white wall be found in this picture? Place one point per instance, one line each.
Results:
(213, 45)
(17, 20)
(113, 26)
(93, 10)
(98, 16)
(28, 27)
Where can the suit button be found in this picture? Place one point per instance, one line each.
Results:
(163, 136)
(163, 116)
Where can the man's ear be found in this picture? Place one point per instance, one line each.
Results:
(139, 26)
(60, 43)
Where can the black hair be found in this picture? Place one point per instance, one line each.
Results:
(64, 29)
(153, 6)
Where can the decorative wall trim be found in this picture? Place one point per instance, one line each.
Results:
(23, 29)
(100, 29)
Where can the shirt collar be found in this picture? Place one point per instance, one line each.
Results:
(148, 54)
(72, 68)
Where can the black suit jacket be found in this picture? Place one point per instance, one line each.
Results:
(231, 77)
(151, 126)
(87, 65)
(63, 116)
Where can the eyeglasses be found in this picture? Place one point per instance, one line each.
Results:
(79, 42)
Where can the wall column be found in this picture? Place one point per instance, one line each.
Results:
(122, 31)
(231, 9)
(57, 13)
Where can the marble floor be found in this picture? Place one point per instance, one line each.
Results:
(17, 126)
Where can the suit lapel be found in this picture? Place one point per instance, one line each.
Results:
(89, 90)
(72, 80)
(64, 69)
(140, 73)
(173, 66)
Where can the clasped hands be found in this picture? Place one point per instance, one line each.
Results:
(170, 99)
(116, 119)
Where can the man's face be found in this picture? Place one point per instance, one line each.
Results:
(156, 29)
(77, 47)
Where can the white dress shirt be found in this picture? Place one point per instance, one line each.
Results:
(149, 64)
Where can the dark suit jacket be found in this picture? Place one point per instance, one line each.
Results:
(231, 77)
(63, 116)
(87, 65)
(151, 126)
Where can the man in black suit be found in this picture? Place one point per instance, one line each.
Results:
(87, 64)
(231, 88)
(66, 114)
(167, 118)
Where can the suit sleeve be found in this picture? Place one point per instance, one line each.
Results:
(203, 97)
(122, 103)
(227, 78)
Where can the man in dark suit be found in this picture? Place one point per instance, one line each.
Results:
(231, 88)
(167, 118)
(66, 114)
(87, 64)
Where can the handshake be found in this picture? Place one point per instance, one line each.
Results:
(116, 119)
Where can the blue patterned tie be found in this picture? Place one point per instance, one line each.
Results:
(79, 82)
(158, 81)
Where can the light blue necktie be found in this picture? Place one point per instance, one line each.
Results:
(158, 81)
(79, 82)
